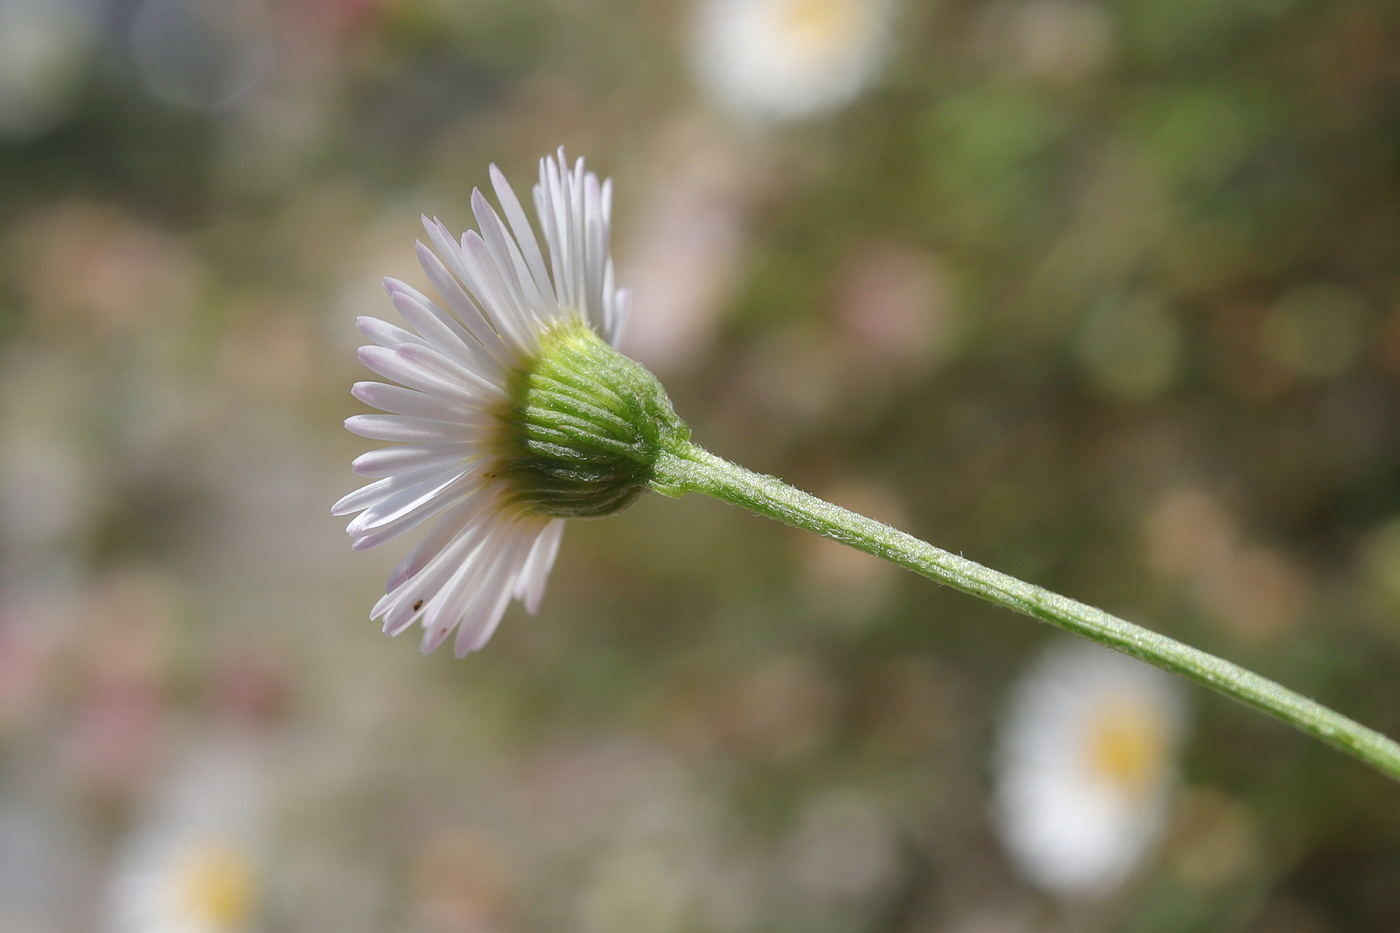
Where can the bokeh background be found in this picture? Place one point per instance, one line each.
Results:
(1104, 293)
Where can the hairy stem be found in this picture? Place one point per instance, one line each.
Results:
(689, 468)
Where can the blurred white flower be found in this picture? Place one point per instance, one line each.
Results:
(1087, 767)
(197, 862)
(787, 59)
(457, 375)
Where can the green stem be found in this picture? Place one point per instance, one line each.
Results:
(689, 468)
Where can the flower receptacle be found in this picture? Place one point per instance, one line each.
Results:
(584, 428)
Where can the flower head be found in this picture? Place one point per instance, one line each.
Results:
(1087, 766)
(787, 59)
(197, 862)
(513, 410)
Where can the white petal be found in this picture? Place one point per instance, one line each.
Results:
(409, 458)
(481, 616)
(389, 530)
(507, 313)
(508, 259)
(392, 364)
(385, 334)
(443, 606)
(471, 314)
(447, 528)
(578, 254)
(401, 401)
(444, 609)
(454, 539)
(396, 287)
(412, 430)
(450, 369)
(524, 234)
(361, 498)
(406, 606)
(406, 601)
(403, 494)
(553, 223)
(381, 489)
(502, 311)
(482, 626)
(594, 237)
(441, 331)
(530, 587)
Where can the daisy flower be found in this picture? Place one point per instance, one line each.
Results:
(787, 59)
(1086, 767)
(197, 862)
(512, 410)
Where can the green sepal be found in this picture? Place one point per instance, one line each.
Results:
(585, 427)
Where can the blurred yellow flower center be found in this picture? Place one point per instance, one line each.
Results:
(819, 27)
(217, 886)
(1127, 744)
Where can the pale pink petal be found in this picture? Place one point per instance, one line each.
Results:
(410, 458)
(402, 401)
